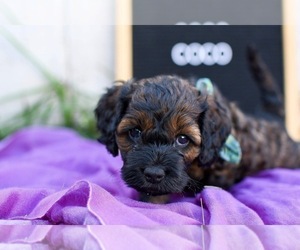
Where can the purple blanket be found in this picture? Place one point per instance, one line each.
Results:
(51, 178)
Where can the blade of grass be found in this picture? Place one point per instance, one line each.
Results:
(27, 55)
(23, 94)
(11, 17)
(72, 104)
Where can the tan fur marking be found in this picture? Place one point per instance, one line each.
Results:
(194, 171)
(191, 153)
(184, 125)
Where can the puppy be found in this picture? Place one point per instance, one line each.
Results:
(174, 136)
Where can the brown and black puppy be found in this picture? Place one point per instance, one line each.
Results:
(170, 135)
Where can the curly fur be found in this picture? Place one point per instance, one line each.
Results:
(163, 107)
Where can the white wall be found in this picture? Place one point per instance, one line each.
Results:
(73, 39)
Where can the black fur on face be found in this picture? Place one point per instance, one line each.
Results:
(164, 162)
(161, 126)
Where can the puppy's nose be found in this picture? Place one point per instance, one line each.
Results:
(154, 174)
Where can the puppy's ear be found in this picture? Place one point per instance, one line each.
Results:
(107, 115)
(109, 112)
(215, 127)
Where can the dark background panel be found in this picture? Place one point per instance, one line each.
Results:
(152, 47)
(234, 12)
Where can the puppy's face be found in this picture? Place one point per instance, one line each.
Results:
(159, 136)
(157, 124)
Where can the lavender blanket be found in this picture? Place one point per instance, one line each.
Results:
(51, 178)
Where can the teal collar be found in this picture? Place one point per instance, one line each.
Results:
(231, 150)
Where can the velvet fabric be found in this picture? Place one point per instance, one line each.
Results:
(60, 190)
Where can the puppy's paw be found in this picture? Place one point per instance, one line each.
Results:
(160, 199)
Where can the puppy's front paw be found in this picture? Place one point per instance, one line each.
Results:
(159, 199)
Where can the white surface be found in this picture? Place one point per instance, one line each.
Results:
(72, 39)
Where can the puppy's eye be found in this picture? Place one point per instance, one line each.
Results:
(135, 133)
(182, 140)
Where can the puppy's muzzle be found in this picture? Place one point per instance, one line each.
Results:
(155, 169)
(154, 174)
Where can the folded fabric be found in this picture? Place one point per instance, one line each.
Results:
(53, 176)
